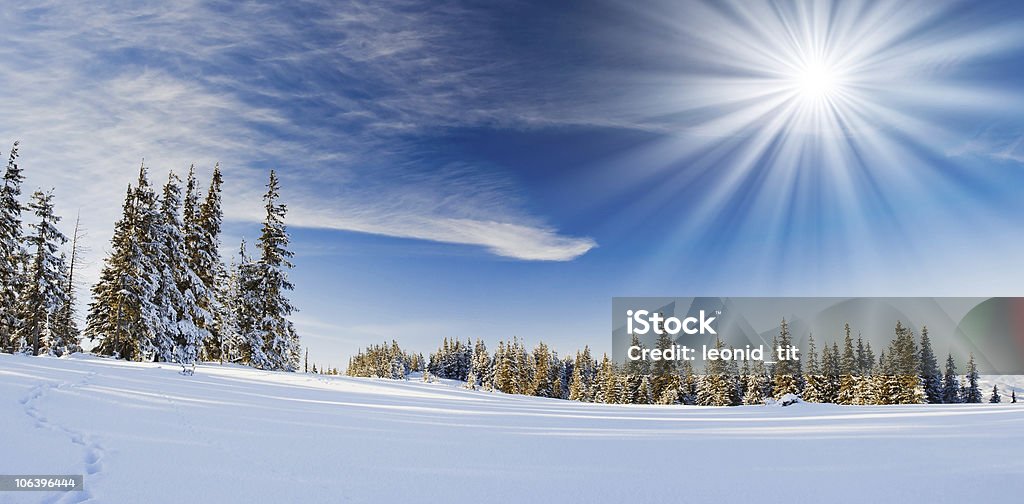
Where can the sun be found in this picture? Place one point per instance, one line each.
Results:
(816, 80)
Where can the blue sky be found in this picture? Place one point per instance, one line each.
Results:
(474, 170)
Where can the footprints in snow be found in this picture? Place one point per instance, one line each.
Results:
(93, 457)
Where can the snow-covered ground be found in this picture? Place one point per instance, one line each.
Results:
(145, 433)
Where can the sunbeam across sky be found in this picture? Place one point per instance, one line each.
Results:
(489, 170)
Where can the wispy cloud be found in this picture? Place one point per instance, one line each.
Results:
(341, 98)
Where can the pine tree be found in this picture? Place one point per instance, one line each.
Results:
(122, 315)
(480, 372)
(608, 382)
(950, 383)
(757, 383)
(994, 398)
(848, 370)
(715, 389)
(246, 344)
(830, 369)
(178, 336)
(44, 295)
(11, 252)
(664, 371)
(813, 380)
(688, 384)
(581, 388)
(971, 393)
(64, 333)
(205, 260)
(929, 370)
(277, 334)
(541, 386)
(786, 371)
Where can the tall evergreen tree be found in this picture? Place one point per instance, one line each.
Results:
(813, 379)
(950, 383)
(122, 315)
(11, 252)
(971, 393)
(716, 389)
(786, 371)
(929, 370)
(44, 295)
(178, 334)
(206, 262)
(280, 341)
(848, 369)
(664, 371)
(542, 385)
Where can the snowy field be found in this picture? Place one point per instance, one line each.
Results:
(145, 433)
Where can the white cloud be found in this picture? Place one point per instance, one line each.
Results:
(92, 89)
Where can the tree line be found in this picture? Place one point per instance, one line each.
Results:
(164, 293)
(906, 372)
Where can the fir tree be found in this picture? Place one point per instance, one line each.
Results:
(277, 334)
(480, 374)
(122, 315)
(177, 336)
(541, 386)
(44, 296)
(755, 391)
(971, 393)
(813, 380)
(11, 252)
(950, 383)
(715, 389)
(848, 370)
(994, 398)
(929, 370)
(786, 371)
(608, 380)
(664, 370)
(206, 262)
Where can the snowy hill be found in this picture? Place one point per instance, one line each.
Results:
(146, 433)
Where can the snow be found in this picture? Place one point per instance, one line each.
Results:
(146, 433)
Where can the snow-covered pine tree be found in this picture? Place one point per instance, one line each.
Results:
(994, 398)
(247, 304)
(44, 294)
(176, 297)
(279, 339)
(665, 372)
(541, 386)
(688, 384)
(905, 365)
(11, 252)
(848, 370)
(65, 337)
(786, 371)
(830, 370)
(971, 393)
(950, 383)
(581, 386)
(757, 381)
(480, 371)
(716, 388)
(929, 370)
(813, 380)
(207, 264)
(122, 314)
(608, 381)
